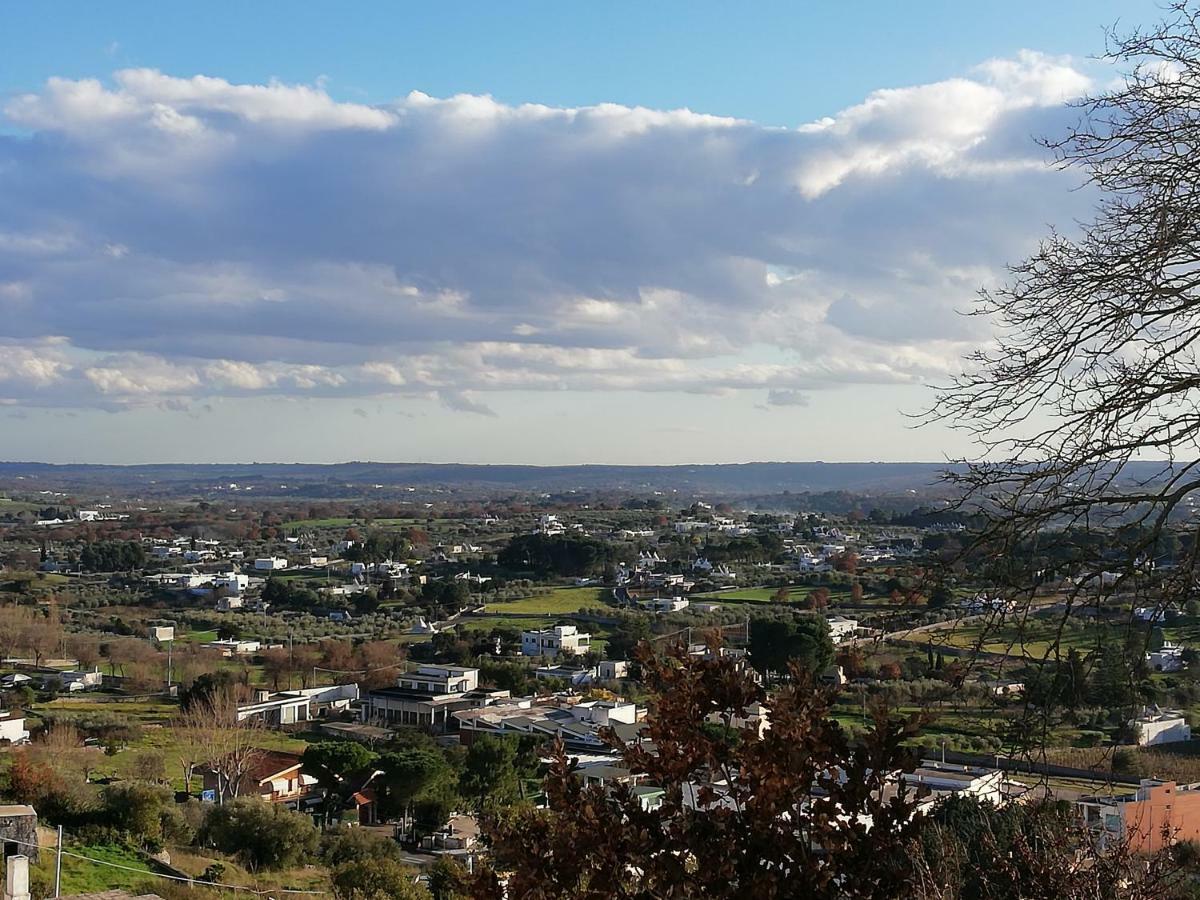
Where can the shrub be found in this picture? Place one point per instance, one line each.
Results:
(261, 835)
(384, 879)
(347, 844)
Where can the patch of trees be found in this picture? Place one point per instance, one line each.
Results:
(285, 593)
(555, 555)
(377, 547)
(260, 835)
(777, 641)
(112, 556)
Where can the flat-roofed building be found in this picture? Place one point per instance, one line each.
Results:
(1155, 815)
(427, 698)
(561, 639)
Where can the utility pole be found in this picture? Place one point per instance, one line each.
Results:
(170, 645)
(58, 865)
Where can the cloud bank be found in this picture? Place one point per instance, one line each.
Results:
(167, 240)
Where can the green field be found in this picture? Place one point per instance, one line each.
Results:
(796, 594)
(1033, 639)
(79, 876)
(560, 601)
(198, 637)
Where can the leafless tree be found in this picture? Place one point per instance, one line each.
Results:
(211, 735)
(1086, 408)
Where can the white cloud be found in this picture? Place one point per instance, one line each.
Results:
(182, 238)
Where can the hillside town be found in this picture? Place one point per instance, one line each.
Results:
(404, 669)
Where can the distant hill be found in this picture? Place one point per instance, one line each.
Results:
(356, 478)
(741, 478)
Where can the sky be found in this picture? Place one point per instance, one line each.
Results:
(541, 233)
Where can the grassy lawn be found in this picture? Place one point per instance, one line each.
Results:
(796, 594)
(1033, 639)
(560, 601)
(198, 637)
(155, 717)
(147, 712)
(79, 876)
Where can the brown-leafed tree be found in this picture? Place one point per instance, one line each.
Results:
(740, 816)
(803, 811)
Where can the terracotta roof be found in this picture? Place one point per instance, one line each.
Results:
(270, 763)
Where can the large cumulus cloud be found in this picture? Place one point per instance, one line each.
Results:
(165, 239)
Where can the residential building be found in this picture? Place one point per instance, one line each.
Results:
(230, 647)
(12, 727)
(1155, 815)
(1161, 727)
(270, 563)
(841, 628)
(231, 582)
(273, 776)
(612, 669)
(1167, 659)
(664, 604)
(577, 723)
(566, 640)
(944, 780)
(292, 707)
(427, 698)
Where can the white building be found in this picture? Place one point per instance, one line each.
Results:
(232, 582)
(290, 707)
(270, 564)
(1161, 727)
(664, 604)
(233, 647)
(943, 780)
(841, 628)
(564, 639)
(612, 669)
(1168, 659)
(12, 728)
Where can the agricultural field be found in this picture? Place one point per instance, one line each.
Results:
(796, 594)
(1033, 639)
(560, 601)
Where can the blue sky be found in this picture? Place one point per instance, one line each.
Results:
(778, 63)
(483, 232)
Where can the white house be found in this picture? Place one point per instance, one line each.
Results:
(561, 639)
(12, 728)
(664, 604)
(270, 564)
(232, 582)
(1168, 659)
(841, 628)
(233, 647)
(612, 669)
(1154, 614)
(943, 780)
(1161, 727)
